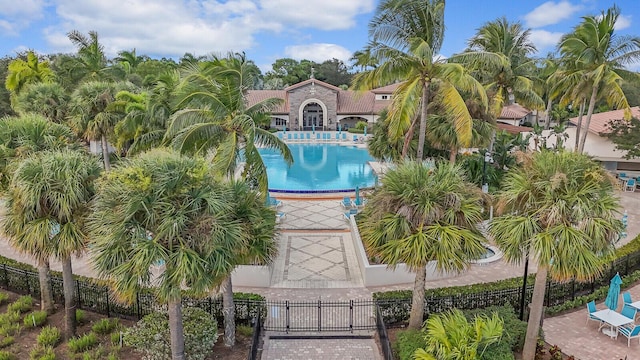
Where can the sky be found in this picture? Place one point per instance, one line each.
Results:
(267, 30)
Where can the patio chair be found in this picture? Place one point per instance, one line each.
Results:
(630, 332)
(280, 216)
(308, 136)
(344, 136)
(591, 308)
(348, 214)
(273, 202)
(629, 311)
(622, 175)
(346, 202)
(630, 185)
(358, 202)
(626, 297)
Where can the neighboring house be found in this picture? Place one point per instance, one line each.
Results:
(314, 104)
(516, 115)
(601, 148)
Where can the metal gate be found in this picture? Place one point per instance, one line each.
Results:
(319, 316)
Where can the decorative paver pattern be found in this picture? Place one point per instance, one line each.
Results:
(313, 215)
(316, 261)
(316, 349)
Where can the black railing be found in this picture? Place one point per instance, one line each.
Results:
(256, 338)
(383, 337)
(319, 316)
(99, 299)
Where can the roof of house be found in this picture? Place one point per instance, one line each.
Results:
(514, 111)
(512, 129)
(351, 102)
(389, 89)
(312, 81)
(255, 96)
(599, 121)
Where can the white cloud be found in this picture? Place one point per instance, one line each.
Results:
(16, 15)
(550, 13)
(169, 27)
(318, 52)
(544, 39)
(623, 22)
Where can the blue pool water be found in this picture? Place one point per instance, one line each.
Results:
(319, 167)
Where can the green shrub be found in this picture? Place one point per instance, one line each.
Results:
(112, 356)
(150, 336)
(95, 354)
(81, 316)
(23, 304)
(3, 298)
(9, 329)
(355, 131)
(7, 341)
(5, 355)
(104, 326)
(408, 341)
(9, 318)
(244, 330)
(360, 125)
(498, 351)
(515, 330)
(82, 343)
(35, 318)
(49, 336)
(42, 353)
(115, 338)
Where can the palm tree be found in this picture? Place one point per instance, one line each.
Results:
(406, 36)
(93, 114)
(594, 56)
(450, 336)
(48, 99)
(442, 134)
(513, 79)
(214, 117)
(561, 210)
(422, 214)
(258, 245)
(49, 202)
(90, 64)
(163, 207)
(29, 71)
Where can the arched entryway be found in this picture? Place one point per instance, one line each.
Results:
(313, 114)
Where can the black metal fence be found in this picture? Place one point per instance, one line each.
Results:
(396, 310)
(99, 299)
(318, 316)
(383, 337)
(256, 338)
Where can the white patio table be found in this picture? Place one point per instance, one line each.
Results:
(613, 319)
(635, 305)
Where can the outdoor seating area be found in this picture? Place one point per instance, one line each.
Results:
(321, 136)
(613, 323)
(628, 182)
(353, 205)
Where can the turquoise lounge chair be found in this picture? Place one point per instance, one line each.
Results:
(346, 202)
(288, 136)
(358, 202)
(308, 136)
(318, 136)
(295, 136)
(273, 202)
(630, 332)
(344, 136)
(348, 214)
(626, 297)
(280, 216)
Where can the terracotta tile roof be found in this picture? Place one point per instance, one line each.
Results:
(513, 129)
(599, 121)
(389, 89)
(309, 81)
(351, 102)
(255, 96)
(513, 111)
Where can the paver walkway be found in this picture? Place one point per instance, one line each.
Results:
(325, 349)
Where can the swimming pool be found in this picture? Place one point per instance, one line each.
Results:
(319, 168)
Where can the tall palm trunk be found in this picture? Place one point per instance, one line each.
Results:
(579, 126)
(176, 330)
(453, 153)
(105, 153)
(547, 118)
(535, 314)
(592, 105)
(417, 302)
(408, 137)
(423, 120)
(46, 292)
(68, 285)
(229, 313)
